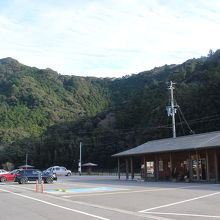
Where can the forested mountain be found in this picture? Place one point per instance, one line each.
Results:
(46, 114)
(33, 99)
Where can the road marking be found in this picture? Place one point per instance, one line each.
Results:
(126, 192)
(144, 215)
(79, 184)
(180, 202)
(82, 190)
(21, 187)
(59, 206)
(113, 193)
(183, 214)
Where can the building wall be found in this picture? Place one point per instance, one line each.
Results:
(218, 157)
(196, 165)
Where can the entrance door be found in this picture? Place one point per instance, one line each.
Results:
(150, 169)
(202, 169)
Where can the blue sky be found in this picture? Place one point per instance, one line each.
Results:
(107, 38)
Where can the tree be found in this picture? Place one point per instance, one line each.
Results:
(211, 52)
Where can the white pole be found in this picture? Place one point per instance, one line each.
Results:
(80, 158)
(26, 160)
(172, 109)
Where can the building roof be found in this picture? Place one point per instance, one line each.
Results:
(196, 141)
(89, 165)
(26, 166)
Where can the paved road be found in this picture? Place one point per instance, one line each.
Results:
(101, 197)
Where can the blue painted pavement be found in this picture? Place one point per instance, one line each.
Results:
(82, 190)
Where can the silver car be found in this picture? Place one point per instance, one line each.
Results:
(59, 171)
(3, 171)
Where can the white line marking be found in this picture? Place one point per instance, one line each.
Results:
(182, 214)
(21, 187)
(176, 203)
(121, 211)
(144, 215)
(62, 207)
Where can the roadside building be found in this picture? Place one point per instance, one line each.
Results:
(190, 158)
(25, 167)
(89, 167)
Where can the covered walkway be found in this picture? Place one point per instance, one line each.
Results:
(186, 158)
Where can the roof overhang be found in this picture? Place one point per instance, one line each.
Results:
(189, 143)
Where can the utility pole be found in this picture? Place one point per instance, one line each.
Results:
(26, 160)
(80, 159)
(171, 110)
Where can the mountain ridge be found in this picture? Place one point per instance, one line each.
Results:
(47, 113)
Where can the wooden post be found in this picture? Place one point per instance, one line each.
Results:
(126, 164)
(190, 167)
(197, 166)
(171, 166)
(132, 169)
(145, 168)
(216, 166)
(156, 167)
(119, 174)
(207, 165)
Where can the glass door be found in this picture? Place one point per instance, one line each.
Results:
(202, 170)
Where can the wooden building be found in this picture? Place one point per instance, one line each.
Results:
(190, 158)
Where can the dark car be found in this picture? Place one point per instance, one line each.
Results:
(24, 176)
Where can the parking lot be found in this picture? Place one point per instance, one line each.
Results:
(106, 197)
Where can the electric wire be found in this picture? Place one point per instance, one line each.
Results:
(181, 123)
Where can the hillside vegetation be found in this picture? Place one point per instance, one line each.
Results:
(46, 114)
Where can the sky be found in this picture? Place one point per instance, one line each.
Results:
(107, 38)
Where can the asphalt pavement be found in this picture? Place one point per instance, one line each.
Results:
(106, 197)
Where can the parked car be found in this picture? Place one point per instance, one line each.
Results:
(49, 171)
(10, 176)
(24, 176)
(59, 171)
(3, 171)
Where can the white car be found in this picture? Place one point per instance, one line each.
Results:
(59, 171)
(3, 171)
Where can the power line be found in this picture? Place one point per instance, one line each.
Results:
(191, 131)
(126, 131)
(181, 122)
(70, 141)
